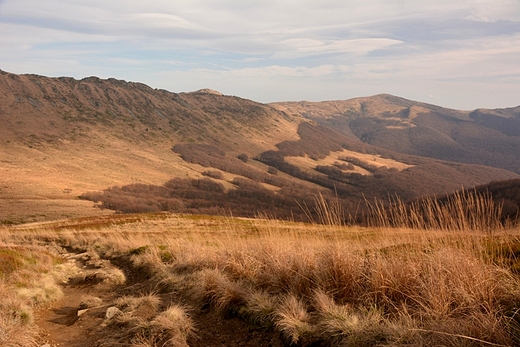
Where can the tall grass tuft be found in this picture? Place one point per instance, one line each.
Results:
(293, 320)
(461, 211)
(260, 308)
(223, 295)
(329, 212)
(26, 281)
(343, 325)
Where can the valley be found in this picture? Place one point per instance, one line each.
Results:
(132, 216)
(62, 138)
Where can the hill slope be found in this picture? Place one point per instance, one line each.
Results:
(484, 137)
(61, 138)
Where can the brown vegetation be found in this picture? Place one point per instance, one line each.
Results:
(204, 196)
(460, 211)
(249, 198)
(29, 277)
(313, 285)
(60, 137)
(504, 193)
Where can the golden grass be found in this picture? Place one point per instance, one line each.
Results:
(141, 323)
(26, 281)
(293, 319)
(344, 285)
(308, 164)
(461, 211)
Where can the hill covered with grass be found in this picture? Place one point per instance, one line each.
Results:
(484, 137)
(134, 148)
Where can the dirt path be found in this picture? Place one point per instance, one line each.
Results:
(60, 324)
(69, 322)
(79, 318)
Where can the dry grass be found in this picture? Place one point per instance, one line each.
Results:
(149, 303)
(343, 325)
(308, 164)
(90, 301)
(16, 334)
(343, 285)
(293, 319)
(141, 323)
(26, 281)
(174, 324)
(461, 211)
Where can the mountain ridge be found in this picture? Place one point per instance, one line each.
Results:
(61, 137)
(482, 136)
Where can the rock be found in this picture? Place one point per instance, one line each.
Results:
(81, 312)
(45, 345)
(112, 311)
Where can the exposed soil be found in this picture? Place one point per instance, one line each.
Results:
(66, 323)
(60, 324)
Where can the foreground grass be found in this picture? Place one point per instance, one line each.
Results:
(310, 283)
(29, 277)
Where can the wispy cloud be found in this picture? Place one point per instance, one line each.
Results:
(307, 47)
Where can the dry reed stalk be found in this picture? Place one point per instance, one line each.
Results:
(329, 212)
(462, 211)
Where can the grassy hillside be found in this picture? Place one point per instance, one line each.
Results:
(38, 111)
(61, 137)
(313, 165)
(483, 137)
(357, 272)
(154, 150)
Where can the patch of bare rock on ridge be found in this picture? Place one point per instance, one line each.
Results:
(103, 307)
(208, 91)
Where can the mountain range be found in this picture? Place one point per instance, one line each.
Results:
(129, 147)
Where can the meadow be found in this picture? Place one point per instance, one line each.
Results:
(453, 283)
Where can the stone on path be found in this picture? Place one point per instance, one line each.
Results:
(112, 311)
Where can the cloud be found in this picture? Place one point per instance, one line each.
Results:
(305, 47)
(496, 10)
(278, 49)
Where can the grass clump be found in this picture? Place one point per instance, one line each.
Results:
(140, 322)
(90, 301)
(293, 320)
(221, 294)
(173, 325)
(343, 325)
(260, 308)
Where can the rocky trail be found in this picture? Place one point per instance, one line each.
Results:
(84, 316)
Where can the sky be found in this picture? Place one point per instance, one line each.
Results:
(462, 54)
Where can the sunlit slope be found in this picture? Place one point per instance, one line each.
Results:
(61, 137)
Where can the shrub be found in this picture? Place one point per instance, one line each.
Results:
(213, 174)
(243, 157)
(272, 170)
